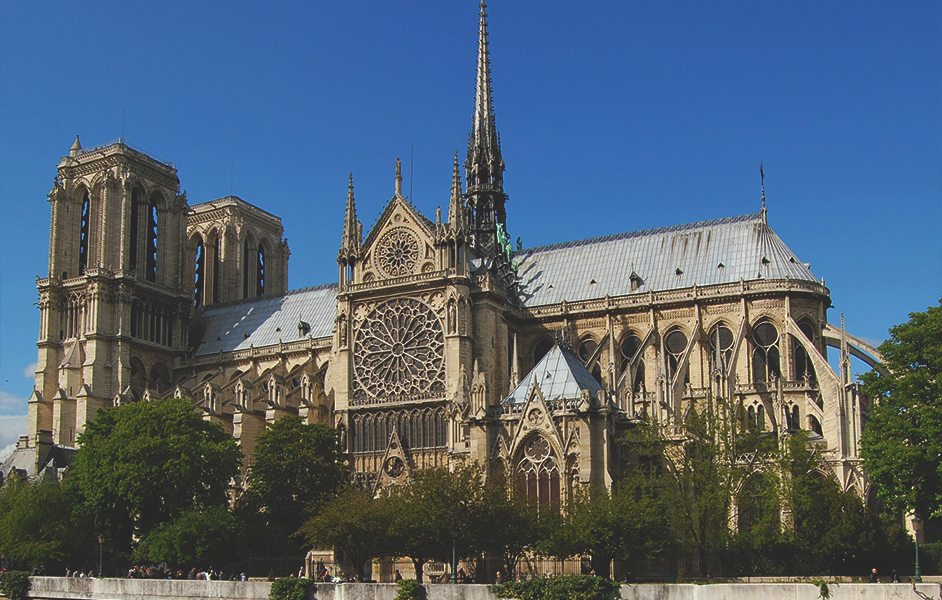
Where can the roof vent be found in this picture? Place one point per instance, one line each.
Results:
(636, 281)
(245, 335)
(765, 260)
(678, 271)
(721, 266)
(593, 282)
(304, 328)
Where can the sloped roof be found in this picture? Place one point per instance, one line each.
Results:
(561, 376)
(704, 253)
(265, 321)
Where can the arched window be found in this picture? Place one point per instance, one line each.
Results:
(587, 348)
(765, 357)
(152, 241)
(260, 272)
(541, 349)
(795, 420)
(134, 230)
(246, 271)
(751, 418)
(199, 274)
(675, 343)
(760, 418)
(216, 274)
(538, 473)
(804, 369)
(84, 232)
(629, 347)
(721, 348)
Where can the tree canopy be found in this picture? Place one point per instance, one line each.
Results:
(901, 445)
(147, 463)
(297, 467)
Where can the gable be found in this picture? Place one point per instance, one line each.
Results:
(401, 244)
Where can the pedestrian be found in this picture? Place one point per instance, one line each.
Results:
(873, 576)
(498, 578)
(397, 576)
(895, 577)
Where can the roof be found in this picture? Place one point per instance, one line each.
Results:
(561, 376)
(265, 321)
(704, 253)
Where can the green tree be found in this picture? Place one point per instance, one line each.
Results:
(516, 525)
(353, 522)
(901, 445)
(438, 513)
(147, 463)
(296, 468)
(38, 522)
(199, 537)
(700, 468)
(628, 521)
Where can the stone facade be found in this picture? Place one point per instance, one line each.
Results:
(439, 343)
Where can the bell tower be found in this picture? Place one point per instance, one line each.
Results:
(114, 304)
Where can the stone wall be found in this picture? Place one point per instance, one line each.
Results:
(146, 589)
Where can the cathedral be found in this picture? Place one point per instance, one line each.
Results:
(441, 341)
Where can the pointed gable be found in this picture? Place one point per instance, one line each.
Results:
(400, 244)
(560, 375)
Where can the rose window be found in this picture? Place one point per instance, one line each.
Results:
(399, 352)
(398, 252)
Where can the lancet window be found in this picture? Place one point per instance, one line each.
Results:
(152, 234)
(803, 366)
(84, 232)
(765, 356)
(674, 344)
(418, 429)
(629, 347)
(721, 348)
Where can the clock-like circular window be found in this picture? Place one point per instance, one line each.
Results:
(398, 252)
(399, 352)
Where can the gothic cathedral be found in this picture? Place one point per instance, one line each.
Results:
(441, 342)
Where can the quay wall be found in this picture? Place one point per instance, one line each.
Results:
(50, 588)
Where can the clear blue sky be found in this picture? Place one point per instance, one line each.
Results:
(614, 116)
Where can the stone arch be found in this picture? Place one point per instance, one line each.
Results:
(629, 345)
(720, 344)
(803, 368)
(587, 348)
(160, 379)
(138, 373)
(675, 343)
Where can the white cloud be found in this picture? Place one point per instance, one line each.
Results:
(6, 452)
(30, 370)
(12, 405)
(11, 428)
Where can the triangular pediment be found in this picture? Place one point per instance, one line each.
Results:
(401, 244)
(536, 419)
(394, 469)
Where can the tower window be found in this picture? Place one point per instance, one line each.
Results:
(260, 272)
(134, 229)
(83, 233)
(765, 357)
(199, 275)
(152, 241)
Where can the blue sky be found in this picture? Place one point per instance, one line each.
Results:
(614, 116)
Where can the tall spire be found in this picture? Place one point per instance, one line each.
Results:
(350, 242)
(762, 176)
(398, 177)
(484, 167)
(456, 205)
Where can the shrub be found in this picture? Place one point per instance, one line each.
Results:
(14, 584)
(568, 587)
(410, 589)
(289, 588)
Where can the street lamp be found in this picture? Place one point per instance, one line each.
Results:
(101, 553)
(917, 527)
(454, 561)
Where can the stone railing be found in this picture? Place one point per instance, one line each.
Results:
(136, 589)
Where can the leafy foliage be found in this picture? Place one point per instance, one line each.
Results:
(354, 523)
(628, 521)
(289, 588)
(568, 587)
(409, 589)
(901, 446)
(519, 528)
(147, 463)
(37, 522)
(297, 467)
(14, 584)
(199, 537)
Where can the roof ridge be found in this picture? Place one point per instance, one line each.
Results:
(312, 288)
(645, 232)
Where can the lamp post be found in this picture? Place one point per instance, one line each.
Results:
(917, 527)
(101, 553)
(454, 560)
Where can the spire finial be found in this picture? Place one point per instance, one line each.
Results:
(398, 177)
(762, 176)
(76, 148)
(350, 242)
(484, 166)
(455, 206)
